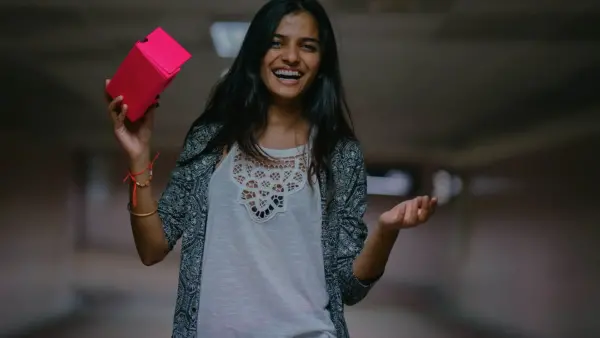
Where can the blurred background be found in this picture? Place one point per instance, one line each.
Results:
(492, 105)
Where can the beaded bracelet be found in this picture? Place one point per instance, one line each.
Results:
(132, 176)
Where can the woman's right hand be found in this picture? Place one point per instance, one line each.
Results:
(134, 138)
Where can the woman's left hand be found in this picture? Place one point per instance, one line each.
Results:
(409, 213)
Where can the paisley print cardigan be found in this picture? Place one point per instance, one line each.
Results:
(183, 210)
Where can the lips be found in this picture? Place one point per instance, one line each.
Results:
(287, 74)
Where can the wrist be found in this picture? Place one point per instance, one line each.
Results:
(139, 163)
(386, 231)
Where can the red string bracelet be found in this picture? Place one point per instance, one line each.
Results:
(132, 176)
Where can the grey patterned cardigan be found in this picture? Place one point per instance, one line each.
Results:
(183, 210)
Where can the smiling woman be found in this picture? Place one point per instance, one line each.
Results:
(269, 192)
(293, 62)
(287, 73)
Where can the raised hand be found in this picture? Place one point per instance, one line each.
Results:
(134, 138)
(409, 213)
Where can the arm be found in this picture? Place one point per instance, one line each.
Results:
(372, 260)
(356, 272)
(360, 263)
(370, 264)
(156, 235)
(148, 234)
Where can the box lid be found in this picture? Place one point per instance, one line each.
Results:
(163, 50)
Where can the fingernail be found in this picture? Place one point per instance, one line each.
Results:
(119, 97)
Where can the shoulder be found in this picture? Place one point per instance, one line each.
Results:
(347, 165)
(190, 163)
(348, 172)
(347, 154)
(197, 138)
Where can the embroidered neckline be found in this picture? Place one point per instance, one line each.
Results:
(265, 187)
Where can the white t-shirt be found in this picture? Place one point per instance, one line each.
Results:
(262, 272)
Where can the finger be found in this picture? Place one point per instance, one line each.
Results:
(119, 118)
(114, 104)
(414, 212)
(421, 201)
(400, 212)
(423, 213)
(149, 117)
(433, 203)
(123, 114)
(410, 214)
(115, 109)
(106, 94)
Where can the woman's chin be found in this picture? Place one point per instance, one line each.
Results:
(286, 93)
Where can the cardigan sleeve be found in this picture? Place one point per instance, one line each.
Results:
(350, 199)
(174, 203)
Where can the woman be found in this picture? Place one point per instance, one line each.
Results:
(269, 192)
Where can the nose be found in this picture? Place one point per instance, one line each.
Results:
(291, 55)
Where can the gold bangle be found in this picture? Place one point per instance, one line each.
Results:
(143, 214)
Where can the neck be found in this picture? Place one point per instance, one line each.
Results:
(284, 115)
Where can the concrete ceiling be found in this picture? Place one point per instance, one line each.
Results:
(459, 82)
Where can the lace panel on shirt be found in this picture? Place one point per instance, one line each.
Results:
(265, 187)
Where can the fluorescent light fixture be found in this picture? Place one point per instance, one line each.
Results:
(446, 186)
(394, 183)
(228, 36)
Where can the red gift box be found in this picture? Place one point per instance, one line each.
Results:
(147, 70)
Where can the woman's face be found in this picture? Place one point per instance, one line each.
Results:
(291, 64)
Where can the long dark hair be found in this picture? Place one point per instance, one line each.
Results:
(240, 100)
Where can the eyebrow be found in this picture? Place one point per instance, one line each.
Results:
(281, 36)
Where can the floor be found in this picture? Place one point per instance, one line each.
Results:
(122, 298)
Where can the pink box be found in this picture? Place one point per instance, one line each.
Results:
(147, 70)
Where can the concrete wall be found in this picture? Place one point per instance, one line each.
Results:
(531, 251)
(36, 246)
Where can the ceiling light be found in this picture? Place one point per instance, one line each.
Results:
(446, 186)
(228, 37)
(394, 183)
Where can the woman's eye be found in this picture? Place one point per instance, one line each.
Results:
(275, 44)
(310, 48)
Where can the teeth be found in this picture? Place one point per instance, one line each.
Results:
(286, 72)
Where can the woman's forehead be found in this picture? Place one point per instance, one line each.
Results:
(298, 25)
